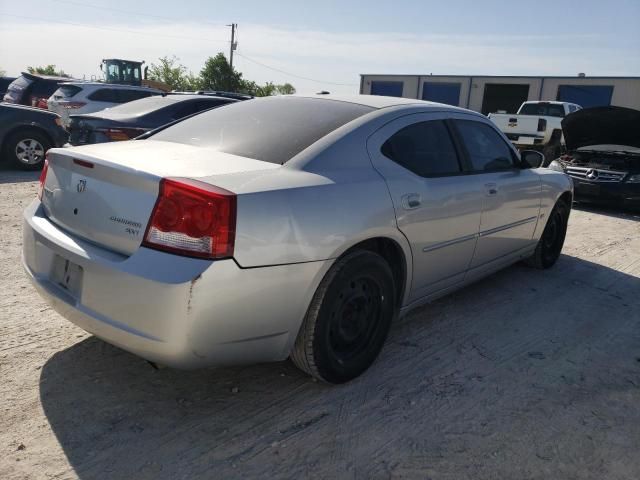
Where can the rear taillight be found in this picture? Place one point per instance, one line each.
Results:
(192, 218)
(71, 105)
(119, 134)
(43, 178)
(542, 124)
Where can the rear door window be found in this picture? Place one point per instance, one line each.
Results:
(486, 149)
(105, 95)
(424, 148)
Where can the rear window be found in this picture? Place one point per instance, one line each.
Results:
(142, 106)
(542, 109)
(270, 129)
(67, 91)
(16, 90)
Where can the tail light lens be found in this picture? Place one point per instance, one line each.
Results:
(119, 134)
(542, 124)
(43, 178)
(192, 218)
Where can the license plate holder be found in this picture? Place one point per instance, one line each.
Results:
(67, 275)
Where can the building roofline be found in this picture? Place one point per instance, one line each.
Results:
(571, 77)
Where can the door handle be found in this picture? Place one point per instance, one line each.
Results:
(411, 201)
(491, 189)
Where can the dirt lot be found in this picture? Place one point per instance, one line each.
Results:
(527, 374)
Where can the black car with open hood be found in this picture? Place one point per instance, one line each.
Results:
(603, 156)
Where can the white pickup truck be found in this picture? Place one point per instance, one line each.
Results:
(537, 125)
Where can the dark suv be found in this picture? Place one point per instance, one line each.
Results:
(33, 90)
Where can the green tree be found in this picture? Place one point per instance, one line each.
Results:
(48, 70)
(286, 89)
(174, 74)
(217, 74)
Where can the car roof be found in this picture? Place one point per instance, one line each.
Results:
(552, 102)
(37, 76)
(109, 85)
(374, 101)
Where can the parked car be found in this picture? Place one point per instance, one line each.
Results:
(286, 226)
(4, 84)
(128, 121)
(536, 126)
(88, 97)
(603, 155)
(33, 90)
(26, 133)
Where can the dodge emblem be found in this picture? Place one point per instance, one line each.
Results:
(82, 186)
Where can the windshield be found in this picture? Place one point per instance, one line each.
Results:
(542, 109)
(271, 129)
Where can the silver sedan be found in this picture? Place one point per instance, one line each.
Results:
(285, 227)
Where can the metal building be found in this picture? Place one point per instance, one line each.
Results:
(488, 94)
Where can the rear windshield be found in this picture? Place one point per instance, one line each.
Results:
(270, 129)
(142, 106)
(542, 109)
(67, 91)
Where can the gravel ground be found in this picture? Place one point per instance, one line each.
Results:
(527, 374)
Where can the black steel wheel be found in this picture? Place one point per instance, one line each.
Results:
(348, 319)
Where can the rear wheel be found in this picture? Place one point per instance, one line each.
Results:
(550, 244)
(25, 149)
(348, 319)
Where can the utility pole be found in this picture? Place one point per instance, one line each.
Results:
(233, 42)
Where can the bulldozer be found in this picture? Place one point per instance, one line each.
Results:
(129, 72)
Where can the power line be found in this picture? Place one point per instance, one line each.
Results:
(84, 25)
(129, 12)
(293, 74)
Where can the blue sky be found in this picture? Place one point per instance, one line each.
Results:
(330, 42)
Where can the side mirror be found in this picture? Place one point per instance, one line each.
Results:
(531, 159)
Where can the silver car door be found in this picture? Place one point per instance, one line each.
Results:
(511, 200)
(437, 207)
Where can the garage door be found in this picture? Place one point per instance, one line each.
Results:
(504, 97)
(448, 93)
(586, 95)
(389, 89)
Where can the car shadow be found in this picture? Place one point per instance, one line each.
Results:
(445, 368)
(18, 176)
(611, 211)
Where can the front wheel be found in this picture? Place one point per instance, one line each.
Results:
(550, 244)
(348, 319)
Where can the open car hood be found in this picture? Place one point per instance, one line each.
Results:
(602, 126)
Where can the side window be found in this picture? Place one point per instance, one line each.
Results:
(131, 95)
(487, 150)
(105, 95)
(184, 109)
(424, 148)
(207, 104)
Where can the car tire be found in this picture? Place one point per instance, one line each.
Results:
(348, 319)
(26, 149)
(550, 244)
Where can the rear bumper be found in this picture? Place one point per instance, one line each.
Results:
(177, 311)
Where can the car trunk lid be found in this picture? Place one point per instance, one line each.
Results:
(106, 193)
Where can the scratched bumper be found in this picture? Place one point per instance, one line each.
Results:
(173, 310)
